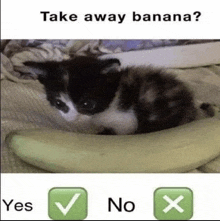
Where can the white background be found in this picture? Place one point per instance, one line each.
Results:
(22, 20)
(138, 188)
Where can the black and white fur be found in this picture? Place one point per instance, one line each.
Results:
(114, 100)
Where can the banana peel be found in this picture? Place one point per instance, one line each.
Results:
(178, 149)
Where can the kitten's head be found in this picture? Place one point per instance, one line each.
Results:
(83, 85)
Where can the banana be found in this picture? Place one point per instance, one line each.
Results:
(173, 150)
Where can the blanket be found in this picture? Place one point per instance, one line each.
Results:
(23, 101)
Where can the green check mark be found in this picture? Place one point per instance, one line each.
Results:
(66, 209)
(67, 203)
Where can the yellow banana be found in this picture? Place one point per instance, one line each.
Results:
(173, 150)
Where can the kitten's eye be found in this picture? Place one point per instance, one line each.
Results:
(88, 105)
(61, 105)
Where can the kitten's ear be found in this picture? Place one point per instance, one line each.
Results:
(35, 69)
(112, 65)
(38, 70)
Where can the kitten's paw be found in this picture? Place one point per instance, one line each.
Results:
(209, 109)
(107, 131)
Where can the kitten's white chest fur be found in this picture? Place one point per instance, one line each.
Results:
(122, 122)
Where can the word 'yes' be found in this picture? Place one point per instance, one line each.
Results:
(18, 206)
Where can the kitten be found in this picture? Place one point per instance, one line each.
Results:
(114, 100)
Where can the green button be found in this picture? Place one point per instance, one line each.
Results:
(173, 203)
(67, 203)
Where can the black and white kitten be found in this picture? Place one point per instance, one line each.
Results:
(114, 100)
